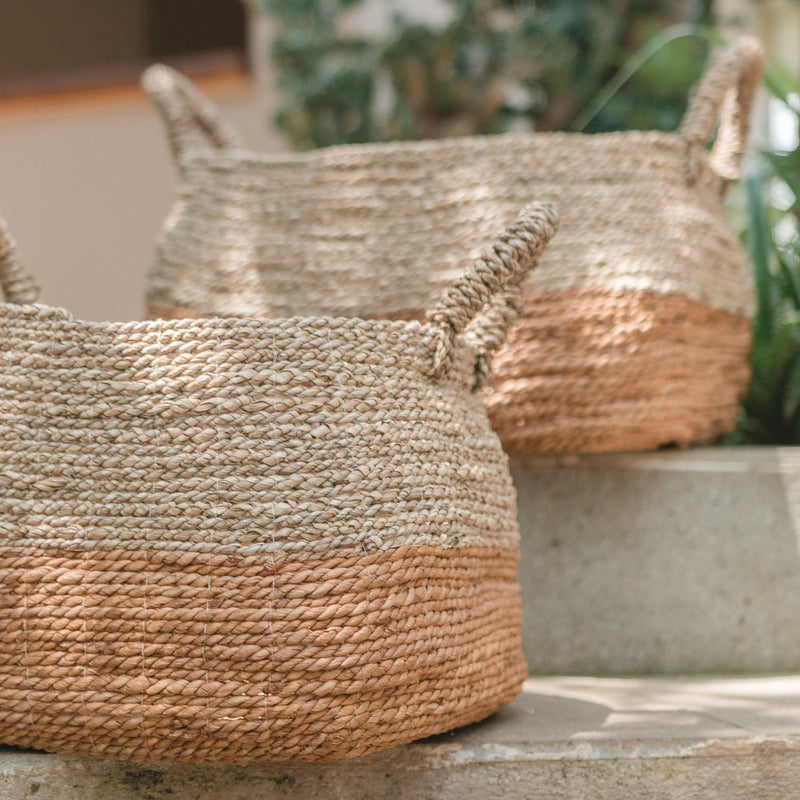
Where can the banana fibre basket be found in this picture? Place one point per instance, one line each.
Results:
(635, 331)
(256, 539)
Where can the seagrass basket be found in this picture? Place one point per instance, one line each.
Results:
(635, 331)
(256, 539)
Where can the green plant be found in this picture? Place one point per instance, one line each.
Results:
(491, 66)
(770, 412)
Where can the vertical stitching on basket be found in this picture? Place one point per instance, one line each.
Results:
(151, 517)
(144, 656)
(218, 390)
(39, 425)
(25, 655)
(86, 672)
(203, 652)
(85, 628)
(273, 551)
(38, 455)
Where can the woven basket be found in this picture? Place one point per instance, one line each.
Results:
(635, 332)
(241, 540)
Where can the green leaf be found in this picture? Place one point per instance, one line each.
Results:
(759, 245)
(787, 168)
(780, 80)
(789, 262)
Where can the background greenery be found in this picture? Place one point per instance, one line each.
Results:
(497, 65)
(770, 412)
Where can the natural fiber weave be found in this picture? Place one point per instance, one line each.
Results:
(677, 366)
(242, 540)
(378, 230)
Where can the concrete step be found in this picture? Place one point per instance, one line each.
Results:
(661, 563)
(563, 738)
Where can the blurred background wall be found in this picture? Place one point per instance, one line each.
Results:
(85, 174)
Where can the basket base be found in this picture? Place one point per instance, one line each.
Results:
(200, 656)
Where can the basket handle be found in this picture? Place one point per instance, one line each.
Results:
(17, 284)
(192, 121)
(725, 93)
(489, 294)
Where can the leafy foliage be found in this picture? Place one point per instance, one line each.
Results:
(770, 412)
(493, 65)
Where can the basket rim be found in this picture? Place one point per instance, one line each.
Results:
(341, 155)
(44, 310)
(480, 304)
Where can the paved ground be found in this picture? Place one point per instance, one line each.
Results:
(725, 738)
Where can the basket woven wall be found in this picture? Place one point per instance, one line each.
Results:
(241, 540)
(635, 332)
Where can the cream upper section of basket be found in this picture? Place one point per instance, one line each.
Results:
(260, 435)
(380, 229)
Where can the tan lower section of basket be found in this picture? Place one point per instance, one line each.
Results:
(196, 656)
(603, 371)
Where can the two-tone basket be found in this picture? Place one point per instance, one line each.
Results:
(253, 539)
(635, 332)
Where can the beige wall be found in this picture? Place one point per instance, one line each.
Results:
(85, 187)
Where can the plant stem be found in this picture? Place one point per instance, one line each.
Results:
(629, 68)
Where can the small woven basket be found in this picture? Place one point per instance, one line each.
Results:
(635, 332)
(245, 540)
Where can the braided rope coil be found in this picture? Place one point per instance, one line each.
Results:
(491, 289)
(193, 122)
(725, 93)
(16, 284)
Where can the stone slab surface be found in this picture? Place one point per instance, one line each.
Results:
(666, 562)
(562, 739)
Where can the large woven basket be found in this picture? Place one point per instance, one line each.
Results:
(635, 332)
(241, 540)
